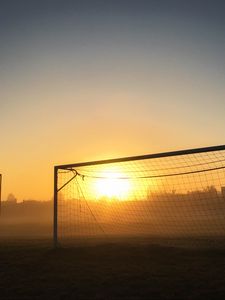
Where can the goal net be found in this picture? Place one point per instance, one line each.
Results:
(167, 195)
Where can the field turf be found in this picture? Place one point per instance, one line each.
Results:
(110, 271)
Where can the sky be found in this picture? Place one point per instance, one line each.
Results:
(86, 80)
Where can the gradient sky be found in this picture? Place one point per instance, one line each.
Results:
(83, 80)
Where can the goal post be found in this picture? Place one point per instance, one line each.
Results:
(170, 194)
(0, 194)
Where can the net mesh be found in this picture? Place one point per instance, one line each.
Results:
(169, 197)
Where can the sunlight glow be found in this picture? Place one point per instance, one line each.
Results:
(112, 186)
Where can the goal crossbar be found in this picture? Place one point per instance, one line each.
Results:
(142, 157)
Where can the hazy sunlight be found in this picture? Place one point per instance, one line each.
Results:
(112, 186)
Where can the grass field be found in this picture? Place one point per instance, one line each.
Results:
(33, 270)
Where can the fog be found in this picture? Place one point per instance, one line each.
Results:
(26, 219)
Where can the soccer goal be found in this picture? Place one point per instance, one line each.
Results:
(166, 195)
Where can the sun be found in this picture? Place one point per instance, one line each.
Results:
(112, 186)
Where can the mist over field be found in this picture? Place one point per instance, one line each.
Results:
(198, 213)
(26, 219)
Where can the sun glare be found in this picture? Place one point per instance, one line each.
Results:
(112, 186)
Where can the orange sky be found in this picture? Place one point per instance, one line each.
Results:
(102, 84)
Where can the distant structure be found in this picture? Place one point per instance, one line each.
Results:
(11, 199)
